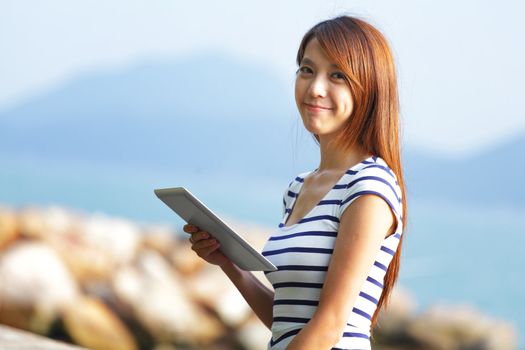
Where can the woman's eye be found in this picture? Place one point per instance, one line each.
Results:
(339, 75)
(304, 70)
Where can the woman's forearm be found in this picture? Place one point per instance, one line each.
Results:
(316, 335)
(256, 294)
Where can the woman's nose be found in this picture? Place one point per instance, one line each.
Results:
(318, 87)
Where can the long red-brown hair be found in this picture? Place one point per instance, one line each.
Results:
(364, 56)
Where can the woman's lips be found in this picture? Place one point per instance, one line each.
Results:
(316, 108)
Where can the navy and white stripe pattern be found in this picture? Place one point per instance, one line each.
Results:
(302, 252)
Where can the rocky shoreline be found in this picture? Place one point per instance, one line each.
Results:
(109, 283)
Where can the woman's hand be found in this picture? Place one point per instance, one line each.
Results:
(205, 246)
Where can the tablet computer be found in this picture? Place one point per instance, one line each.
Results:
(194, 212)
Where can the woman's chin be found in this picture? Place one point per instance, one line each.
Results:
(315, 131)
(313, 128)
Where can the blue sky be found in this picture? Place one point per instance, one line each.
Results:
(460, 64)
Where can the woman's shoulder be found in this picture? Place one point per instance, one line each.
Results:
(374, 177)
(376, 167)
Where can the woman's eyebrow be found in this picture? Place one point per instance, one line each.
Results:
(306, 60)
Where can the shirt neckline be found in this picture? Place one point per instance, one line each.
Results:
(292, 206)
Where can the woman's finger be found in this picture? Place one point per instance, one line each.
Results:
(195, 237)
(204, 243)
(189, 228)
(205, 251)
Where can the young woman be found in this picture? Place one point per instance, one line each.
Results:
(338, 245)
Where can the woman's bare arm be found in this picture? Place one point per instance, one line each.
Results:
(363, 227)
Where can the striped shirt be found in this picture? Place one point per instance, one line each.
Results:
(302, 251)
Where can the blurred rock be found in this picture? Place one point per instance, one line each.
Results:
(31, 272)
(394, 318)
(185, 261)
(504, 336)
(460, 327)
(98, 246)
(48, 224)
(161, 239)
(107, 283)
(254, 334)
(34, 286)
(93, 325)
(16, 339)
(213, 289)
(165, 347)
(114, 237)
(161, 303)
(9, 227)
(32, 223)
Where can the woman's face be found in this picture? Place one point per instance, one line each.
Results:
(321, 92)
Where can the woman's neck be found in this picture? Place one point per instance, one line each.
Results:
(334, 158)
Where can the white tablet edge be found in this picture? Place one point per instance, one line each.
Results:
(165, 192)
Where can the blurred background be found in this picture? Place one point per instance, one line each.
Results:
(103, 101)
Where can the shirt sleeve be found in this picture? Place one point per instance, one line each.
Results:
(379, 181)
(291, 187)
(285, 197)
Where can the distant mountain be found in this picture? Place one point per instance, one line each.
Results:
(202, 112)
(212, 113)
(495, 176)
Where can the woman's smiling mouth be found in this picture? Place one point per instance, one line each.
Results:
(316, 108)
